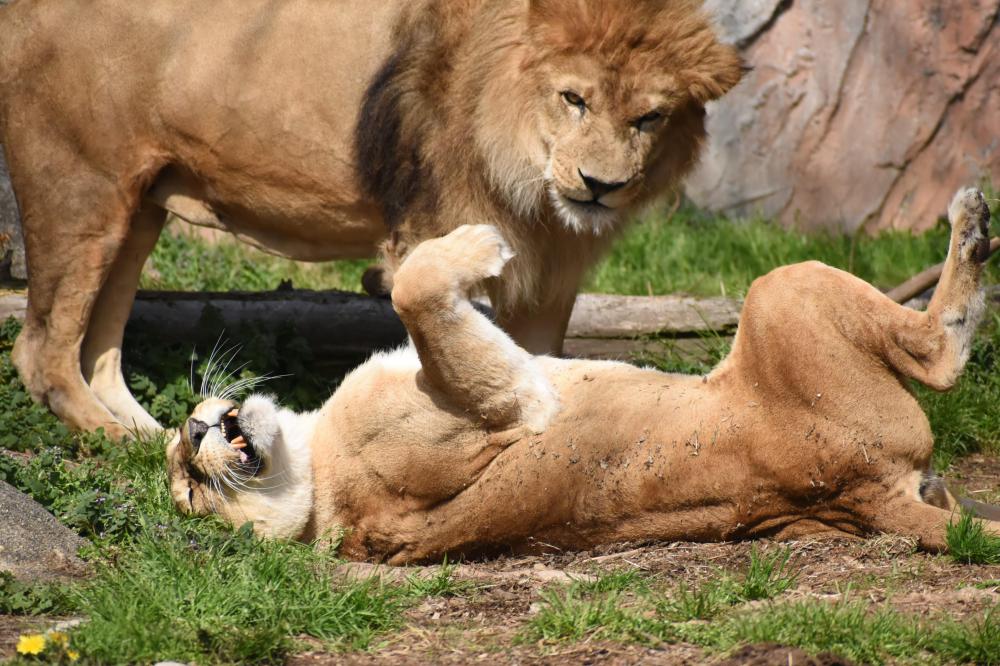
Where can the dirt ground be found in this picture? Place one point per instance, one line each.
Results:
(480, 625)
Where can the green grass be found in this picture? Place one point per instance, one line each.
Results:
(208, 595)
(706, 255)
(713, 617)
(184, 261)
(969, 543)
(688, 252)
(633, 608)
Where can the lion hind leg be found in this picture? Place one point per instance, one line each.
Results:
(102, 348)
(462, 353)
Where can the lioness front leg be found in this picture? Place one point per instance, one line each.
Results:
(461, 352)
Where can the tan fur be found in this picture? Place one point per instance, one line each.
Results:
(463, 444)
(307, 128)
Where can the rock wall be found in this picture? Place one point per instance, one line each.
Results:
(857, 113)
(11, 244)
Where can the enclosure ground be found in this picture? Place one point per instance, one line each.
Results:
(484, 613)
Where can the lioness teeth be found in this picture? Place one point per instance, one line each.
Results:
(234, 412)
(238, 443)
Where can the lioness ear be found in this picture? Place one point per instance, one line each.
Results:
(718, 70)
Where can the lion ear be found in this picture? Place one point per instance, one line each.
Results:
(718, 70)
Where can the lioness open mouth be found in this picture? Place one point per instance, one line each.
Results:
(230, 427)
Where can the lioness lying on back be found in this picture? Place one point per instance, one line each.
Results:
(464, 443)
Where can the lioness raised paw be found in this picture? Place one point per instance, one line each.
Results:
(970, 219)
(466, 256)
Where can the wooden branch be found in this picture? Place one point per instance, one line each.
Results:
(926, 279)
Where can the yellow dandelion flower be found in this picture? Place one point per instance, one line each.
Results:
(30, 644)
(59, 638)
(73, 655)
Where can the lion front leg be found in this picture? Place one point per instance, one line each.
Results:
(540, 330)
(101, 355)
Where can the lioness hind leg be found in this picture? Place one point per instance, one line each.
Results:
(102, 348)
(933, 346)
(462, 353)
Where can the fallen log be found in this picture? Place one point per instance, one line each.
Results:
(346, 327)
(343, 328)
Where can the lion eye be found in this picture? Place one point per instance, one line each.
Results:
(573, 99)
(650, 117)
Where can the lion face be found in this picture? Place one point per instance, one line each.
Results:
(622, 89)
(601, 139)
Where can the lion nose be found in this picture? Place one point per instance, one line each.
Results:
(599, 187)
(197, 430)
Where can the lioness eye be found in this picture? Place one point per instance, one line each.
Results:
(573, 99)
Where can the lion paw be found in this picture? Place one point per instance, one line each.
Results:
(970, 221)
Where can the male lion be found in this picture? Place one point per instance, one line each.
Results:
(310, 128)
(467, 444)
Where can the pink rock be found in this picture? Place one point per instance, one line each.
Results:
(858, 113)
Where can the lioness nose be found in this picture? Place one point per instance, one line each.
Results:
(197, 430)
(599, 187)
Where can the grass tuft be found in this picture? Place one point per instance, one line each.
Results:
(973, 642)
(441, 584)
(768, 575)
(970, 543)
